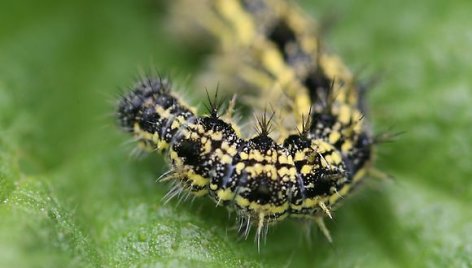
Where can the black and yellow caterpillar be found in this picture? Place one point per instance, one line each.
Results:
(323, 149)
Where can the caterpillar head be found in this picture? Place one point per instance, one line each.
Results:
(144, 92)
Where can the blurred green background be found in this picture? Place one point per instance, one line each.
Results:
(71, 195)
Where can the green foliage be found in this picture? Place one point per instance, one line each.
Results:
(70, 195)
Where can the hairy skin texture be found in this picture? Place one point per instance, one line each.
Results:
(323, 149)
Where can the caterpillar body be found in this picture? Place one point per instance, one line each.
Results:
(324, 147)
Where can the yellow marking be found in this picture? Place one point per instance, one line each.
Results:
(273, 61)
(227, 159)
(161, 112)
(213, 187)
(302, 101)
(283, 172)
(322, 146)
(271, 172)
(207, 147)
(232, 150)
(217, 136)
(334, 137)
(197, 179)
(239, 167)
(155, 137)
(240, 20)
(347, 146)
(306, 169)
(359, 175)
(292, 173)
(328, 159)
(283, 159)
(200, 129)
(270, 208)
(296, 207)
(194, 136)
(333, 67)
(225, 145)
(344, 114)
(162, 144)
(136, 128)
(336, 157)
(311, 202)
(256, 155)
(299, 156)
(242, 202)
(173, 155)
(256, 169)
(175, 124)
(225, 194)
(181, 119)
(290, 159)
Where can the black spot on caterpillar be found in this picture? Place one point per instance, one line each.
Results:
(300, 174)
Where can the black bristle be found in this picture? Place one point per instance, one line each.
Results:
(264, 123)
(214, 104)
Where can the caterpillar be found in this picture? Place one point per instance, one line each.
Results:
(324, 146)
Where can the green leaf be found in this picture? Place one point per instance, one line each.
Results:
(70, 195)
